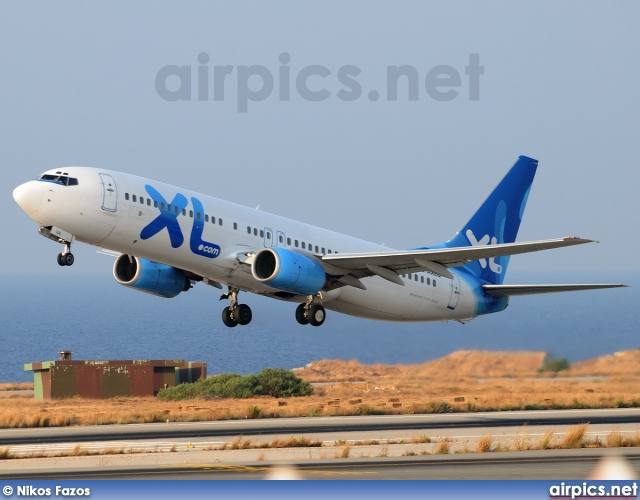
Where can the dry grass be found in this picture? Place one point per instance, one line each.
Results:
(420, 439)
(545, 442)
(574, 437)
(443, 447)
(465, 381)
(16, 386)
(292, 442)
(484, 444)
(522, 441)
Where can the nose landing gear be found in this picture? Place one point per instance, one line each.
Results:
(235, 314)
(66, 258)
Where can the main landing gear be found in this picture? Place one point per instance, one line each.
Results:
(235, 314)
(66, 257)
(310, 313)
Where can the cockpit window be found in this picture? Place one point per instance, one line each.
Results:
(59, 179)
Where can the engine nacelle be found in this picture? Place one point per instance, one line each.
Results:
(150, 277)
(288, 270)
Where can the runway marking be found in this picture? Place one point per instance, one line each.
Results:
(248, 468)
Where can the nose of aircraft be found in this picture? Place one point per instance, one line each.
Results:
(28, 196)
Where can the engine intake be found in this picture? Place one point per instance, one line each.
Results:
(288, 270)
(150, 277)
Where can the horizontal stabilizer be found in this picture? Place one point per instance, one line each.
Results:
(511, 290)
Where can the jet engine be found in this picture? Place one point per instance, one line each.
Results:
(150, 277)
(288, 271)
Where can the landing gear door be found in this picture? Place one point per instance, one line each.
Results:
(109, 193)
(455, 292)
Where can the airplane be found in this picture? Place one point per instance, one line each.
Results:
(166, 239)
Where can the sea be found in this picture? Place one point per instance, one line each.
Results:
(96, 318)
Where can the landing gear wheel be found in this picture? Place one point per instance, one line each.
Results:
(243, 314)
(227, 319)
(68, 259)
(61, 261)
(316, 314)
(300, 317)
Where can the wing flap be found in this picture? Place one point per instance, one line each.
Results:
(511, 290)
(448, 257)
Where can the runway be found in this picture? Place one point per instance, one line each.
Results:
(307, 425)
(366, 447)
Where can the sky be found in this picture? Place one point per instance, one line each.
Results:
(93, 84)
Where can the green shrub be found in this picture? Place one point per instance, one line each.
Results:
(276, 382)
(281, 383)
(553, 364)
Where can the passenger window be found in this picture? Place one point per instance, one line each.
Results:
(191, 213)
(421, 279)
(176, 209)
(141, 200)
(428, 281)
(289, 241)
(126, 196)
(155, 203)
(213, 220)
(206, 217)
(317, 249)
(434, 282)
(303, 247)
(255, 231)
(261, 233)
(295, 242)
(268, 235)
(415, 277)
(235, 225)
(184, 211)
(409, 275)
(133, 198)
(162, 205)
(323, 250)
(220, 222)
(148, 202)
(168, 207)
(248, 230)
(198, 215)
(280, 238)
(329, 250)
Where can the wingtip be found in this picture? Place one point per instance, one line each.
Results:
(581, 240)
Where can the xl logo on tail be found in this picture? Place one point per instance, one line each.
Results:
(485, 240)
(168, 219)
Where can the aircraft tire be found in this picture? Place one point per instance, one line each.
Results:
(317, 315)
(61, 261)
(300, 315)
(69, 259)
(227, 319)
(243, 314)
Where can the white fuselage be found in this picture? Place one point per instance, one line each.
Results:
(110, 209)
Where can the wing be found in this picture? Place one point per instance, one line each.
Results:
(388, 265)
(510, 290)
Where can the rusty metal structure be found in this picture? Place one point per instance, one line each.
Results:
(95, 379)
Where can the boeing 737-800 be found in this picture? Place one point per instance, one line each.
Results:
(166, 238)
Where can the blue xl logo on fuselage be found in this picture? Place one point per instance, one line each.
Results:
(168, 219)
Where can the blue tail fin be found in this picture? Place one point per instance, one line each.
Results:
(498, 220)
